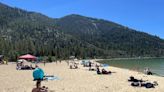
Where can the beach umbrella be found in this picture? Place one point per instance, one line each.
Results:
(38, 74)
(27, 57)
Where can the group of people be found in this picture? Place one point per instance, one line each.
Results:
(141, 83)
(21, 66)
(73, 65)
(103, 71)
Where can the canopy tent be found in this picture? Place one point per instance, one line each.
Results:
(24, 62)
(27, 57)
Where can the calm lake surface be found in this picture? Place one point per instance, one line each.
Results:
(155, 65)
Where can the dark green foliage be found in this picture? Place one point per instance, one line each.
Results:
(49, 59)
(23, 32)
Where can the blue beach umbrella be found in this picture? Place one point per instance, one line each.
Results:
(38, 74)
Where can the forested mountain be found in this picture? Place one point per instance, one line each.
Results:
(24, 32)
(118, 40)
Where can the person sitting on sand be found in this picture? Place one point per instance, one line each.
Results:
(39, 88)
(18, 66)
(148, 72)
(105, 71)
(36, 66)
(31, 67)
(98, 70)
(75, 65)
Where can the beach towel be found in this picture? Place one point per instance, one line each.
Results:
(141, 83)
(105, 65)
(51, 78)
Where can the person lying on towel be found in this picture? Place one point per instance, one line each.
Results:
(105, 71)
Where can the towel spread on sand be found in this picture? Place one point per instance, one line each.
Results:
(105, 65)
(51, 78)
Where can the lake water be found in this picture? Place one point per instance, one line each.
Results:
(155, 65)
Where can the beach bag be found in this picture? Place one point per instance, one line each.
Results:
(135, 84)
(149, 85)
(38, 74)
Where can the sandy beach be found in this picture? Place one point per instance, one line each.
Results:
(74, 80)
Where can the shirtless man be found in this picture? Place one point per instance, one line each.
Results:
(39, 88)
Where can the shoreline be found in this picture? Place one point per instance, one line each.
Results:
(135, 70)
(135, 58)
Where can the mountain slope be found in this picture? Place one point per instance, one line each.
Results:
(111, 36)
(24, 32)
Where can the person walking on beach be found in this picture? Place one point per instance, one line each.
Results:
(44, 63)
(90, 65)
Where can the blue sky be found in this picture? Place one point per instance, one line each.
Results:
(142, 15)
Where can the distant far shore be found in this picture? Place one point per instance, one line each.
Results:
(130, 58)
